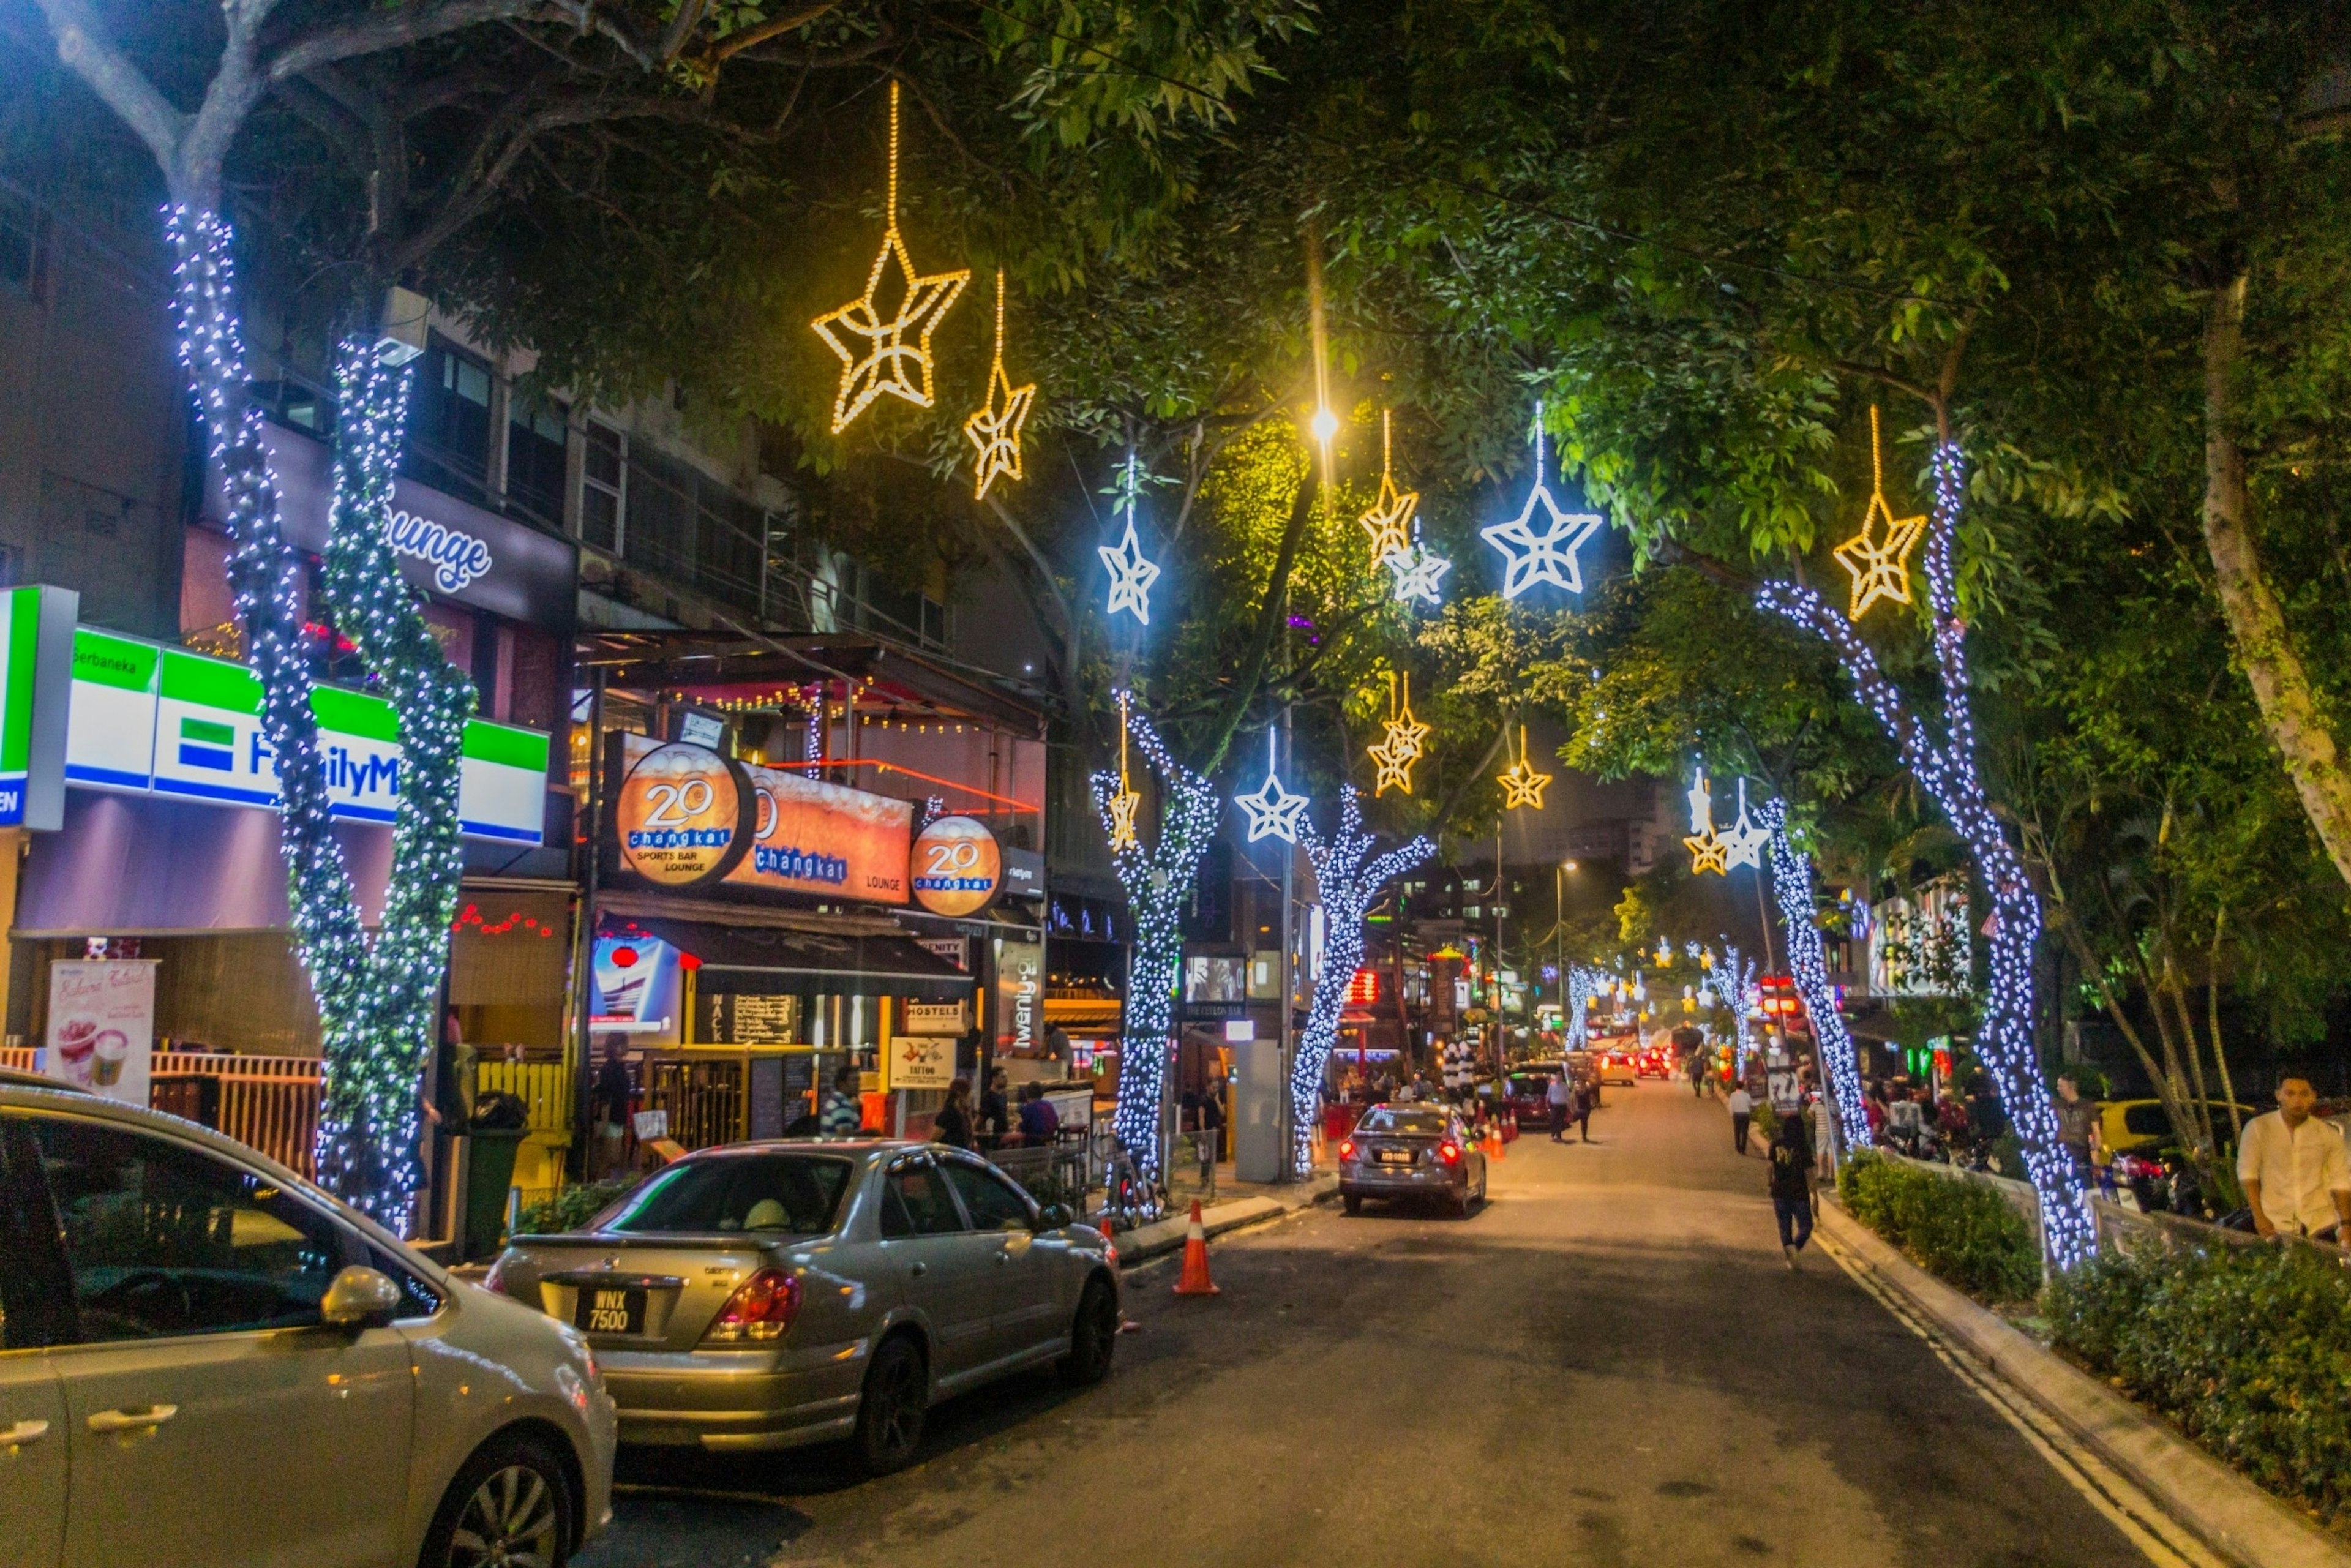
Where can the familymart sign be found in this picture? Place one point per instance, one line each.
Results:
(145, 719)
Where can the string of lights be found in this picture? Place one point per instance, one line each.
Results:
(1791, 887)
(1348, 880)
(1156, 883)
(1948, 772)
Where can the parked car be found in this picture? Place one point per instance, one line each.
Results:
(1411, 1151)
(204, 1360)
(1653, 1063)
(1529, 1092)
(773, 1294)
(2125, 1124)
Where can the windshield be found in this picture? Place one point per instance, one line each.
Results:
(1526, 1084)
(1421, 1123)
(766, 1194)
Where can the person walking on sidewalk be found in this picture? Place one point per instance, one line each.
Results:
(1742, 1108)
(1556, 1094)
(1587, 1100)
(1790, 1183)
(1823, 1152)
(1210, 1138)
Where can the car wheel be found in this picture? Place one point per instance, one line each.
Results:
(1460, 1203)
(1094, 1336)
(510, 1504)
(1351, 1202)
(890, 1410)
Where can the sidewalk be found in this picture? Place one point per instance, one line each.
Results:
(1238, 1203)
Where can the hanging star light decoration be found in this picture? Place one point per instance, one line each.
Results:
(1879, 565)
(1131, 576)
(1401, 746)
(1549, 555)
(995, 428)
(1416, 572)
(1123, 805)
(1273, 811)
(1744, 842)
(1709, 851)
(875, 354)
(1522, 785)
(1389, 522)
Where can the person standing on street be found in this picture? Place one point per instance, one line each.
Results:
(1824, 1152)
(2077, 1124)
(843, 1113)
(1211, 1135)
(1587, 1100)
(1555, 1094)
(2297, 1178)
(952, 1125)
(1791, 1185)
(608, 1109)
(1742, 1108)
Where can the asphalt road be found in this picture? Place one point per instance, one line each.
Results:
(1609, 1364)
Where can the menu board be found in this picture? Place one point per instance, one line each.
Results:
(764, 1020)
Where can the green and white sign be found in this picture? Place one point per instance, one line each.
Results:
(150, 718)
(37, 628)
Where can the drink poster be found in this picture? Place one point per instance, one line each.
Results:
(101, 1033)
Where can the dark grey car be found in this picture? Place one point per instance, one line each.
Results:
(768, 1295)
(1410, 1151)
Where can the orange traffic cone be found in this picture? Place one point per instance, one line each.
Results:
(1195, 1282)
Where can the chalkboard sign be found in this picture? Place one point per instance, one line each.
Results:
(800, 1078)
(764, 1020)
(768, 1114)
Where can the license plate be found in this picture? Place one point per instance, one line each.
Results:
(610, 1309)
(1396, 1156)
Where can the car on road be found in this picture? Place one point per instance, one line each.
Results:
(1411, 1151)
(206, 1361)
(1528, 1091)
(1653, 1063)
(768, 1295)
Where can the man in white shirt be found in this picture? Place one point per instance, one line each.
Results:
(1555, 1095)
(2297, 1177)
(1742, 1106)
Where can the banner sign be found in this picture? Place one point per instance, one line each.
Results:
(935, 1018)
(679, 814)
(147, 717)
(101, 1033)
(958, 867)
(920, 1061)
(1020, 986)
(35, 669)
(635, 988)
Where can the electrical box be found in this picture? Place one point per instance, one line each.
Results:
(1258, 1134)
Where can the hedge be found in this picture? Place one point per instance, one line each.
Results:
(2247, 1348)
(570, 1209)
(1962, 1232)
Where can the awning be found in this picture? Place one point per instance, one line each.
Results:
(756, 961)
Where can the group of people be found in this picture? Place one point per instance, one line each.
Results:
(1570, 1101)
(992, 1123)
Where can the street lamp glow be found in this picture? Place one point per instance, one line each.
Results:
(1325, 425)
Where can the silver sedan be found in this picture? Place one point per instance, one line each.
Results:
(1410, 1151)
(769, 1295)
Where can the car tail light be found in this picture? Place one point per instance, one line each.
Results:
(761, 1308)
(1346, 1148)
(1450, 1153)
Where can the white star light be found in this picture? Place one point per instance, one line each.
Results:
(1416, 572)
(1743, 842)
(1548, 556)
(1273, 811)
(1701, 804)
(1131, 576)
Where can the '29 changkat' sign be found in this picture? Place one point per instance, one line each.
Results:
(685, 816)
(957, 866)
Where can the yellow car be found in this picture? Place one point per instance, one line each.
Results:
(2125, 1124)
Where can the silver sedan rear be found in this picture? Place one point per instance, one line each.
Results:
(1410, 1151)
(769, 1295)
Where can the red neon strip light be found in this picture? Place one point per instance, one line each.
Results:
(925, 778)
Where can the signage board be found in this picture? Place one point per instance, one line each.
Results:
(956, 950)
(679, 812)
(935, 1018)
(634, 989)
(826, 838)
(1024, 874)
(101, 1031)
(35, 660)
(920, 1061)
(1020, 986)
(143, 718)
(958, 867)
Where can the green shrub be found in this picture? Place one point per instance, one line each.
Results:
(1964, 1233)
(570, 1209)
(2247, 1348)
(1764, 1122)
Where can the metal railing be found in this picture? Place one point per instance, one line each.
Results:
(543, 1087)
(265, 1103)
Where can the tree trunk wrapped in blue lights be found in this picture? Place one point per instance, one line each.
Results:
(1729, 980)
(1947, 769)
(1792, 886)
(1347, 883)
(1156, 884)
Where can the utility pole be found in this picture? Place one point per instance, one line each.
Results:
(1291, 1122)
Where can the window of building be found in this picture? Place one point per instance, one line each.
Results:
(449, 420)
(602, 487)
(534, 449)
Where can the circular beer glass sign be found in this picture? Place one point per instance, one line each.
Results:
(958, 867)
(679, 814)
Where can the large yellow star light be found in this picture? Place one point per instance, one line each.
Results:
(1389, 522)
(1124, 804)
(1879, 565)
(995, 428)
(1522, 785)
(875, 354)
(1401, 748)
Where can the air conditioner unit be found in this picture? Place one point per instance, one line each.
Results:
(402, 335)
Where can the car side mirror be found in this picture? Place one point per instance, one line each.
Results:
(360, 1298)
(1054, 1216)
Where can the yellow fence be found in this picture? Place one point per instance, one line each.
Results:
(266, 1102)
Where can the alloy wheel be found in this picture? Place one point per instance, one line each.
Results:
(511, 1521)
(901, 1405)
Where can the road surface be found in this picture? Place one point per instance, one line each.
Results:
(1607, 1365)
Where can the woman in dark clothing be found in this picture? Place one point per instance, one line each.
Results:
(995, 1116)
(952, 1125)
(1791, 1185)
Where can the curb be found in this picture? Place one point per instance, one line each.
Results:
(2211, 1501)
(1164, 1236)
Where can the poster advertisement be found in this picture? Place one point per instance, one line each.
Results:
(101, 1033)
(636, 988)
(922, 1061)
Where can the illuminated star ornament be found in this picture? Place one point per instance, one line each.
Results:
(1400, 748)
(875, 353)
(995, 428)
(1544, 553)
(1416, 572)
(1389, 522)
(1743, 843)
(1709, 850)
(1879, 563)
(1522, 785)
(1273, 811)
(1123, 805)
(1131, 576)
